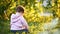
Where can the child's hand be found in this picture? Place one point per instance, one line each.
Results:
(23, 27)
(26, 27)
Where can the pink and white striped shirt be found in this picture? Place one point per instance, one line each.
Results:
(17, 21)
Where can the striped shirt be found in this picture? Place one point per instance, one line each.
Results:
(17, 21)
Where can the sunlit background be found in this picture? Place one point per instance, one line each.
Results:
(43, 16)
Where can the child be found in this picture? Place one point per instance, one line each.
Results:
(18, 23)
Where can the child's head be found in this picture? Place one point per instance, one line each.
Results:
(20, 9)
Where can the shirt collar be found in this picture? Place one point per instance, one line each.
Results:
(18, 13)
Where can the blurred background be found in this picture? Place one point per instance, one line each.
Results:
(43, 16)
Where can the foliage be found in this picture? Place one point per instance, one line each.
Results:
(33, 10)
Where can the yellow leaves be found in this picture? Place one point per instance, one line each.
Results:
(33, 18)
(6, 17)
(13, 5)
(58, 5)
(12, 0)
(58, 10)
(53, 3)
(38, 14)
(32, 10)
(58, 0)
(23, 33)
(40, 7)
(48, 19)
(18, 1)
(31, 28)
(35, 32)
(58, 13)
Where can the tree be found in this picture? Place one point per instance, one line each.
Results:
(4, 5)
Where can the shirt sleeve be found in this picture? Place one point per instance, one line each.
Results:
(23, 21)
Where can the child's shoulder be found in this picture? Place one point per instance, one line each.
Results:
(13, 15)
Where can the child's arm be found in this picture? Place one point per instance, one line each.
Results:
(24, 23)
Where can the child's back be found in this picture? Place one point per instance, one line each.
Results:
(18, 23)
